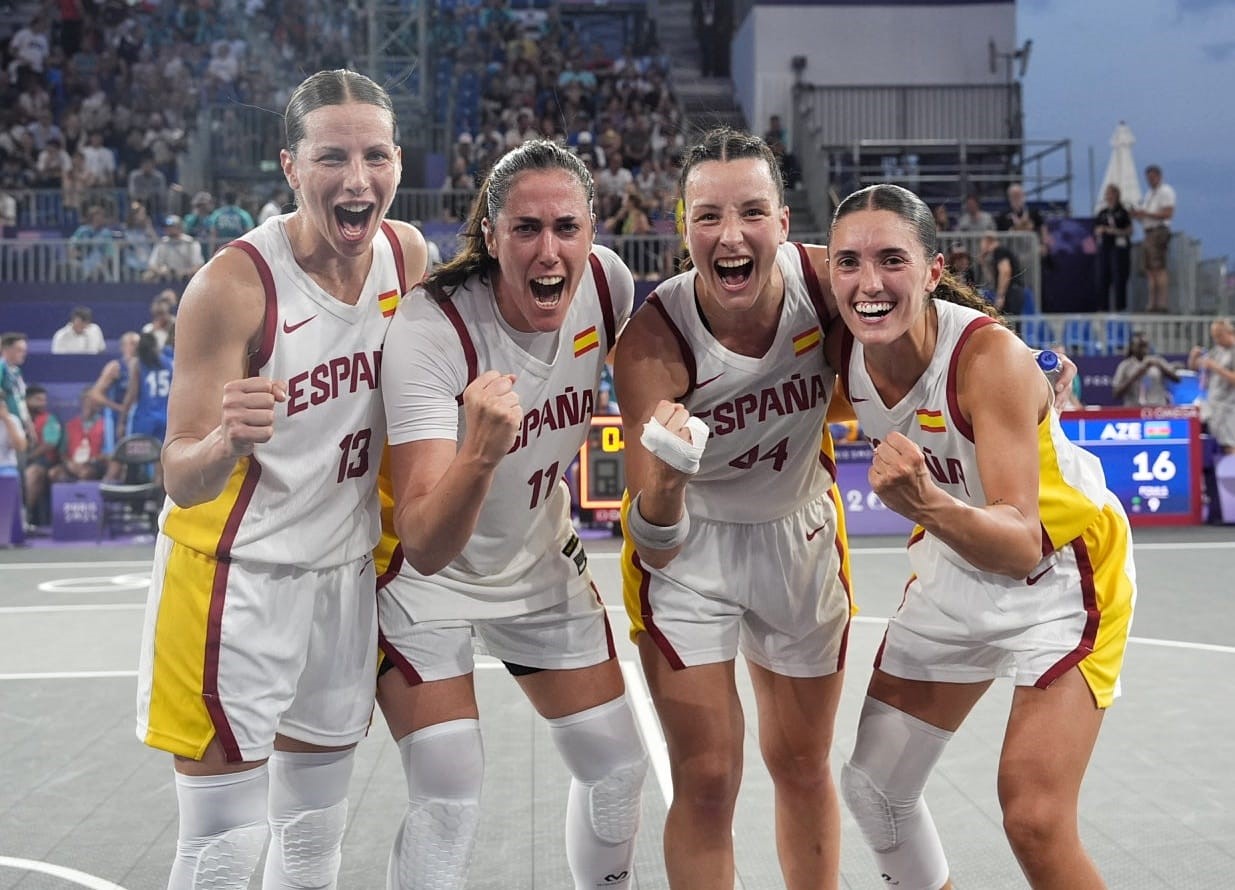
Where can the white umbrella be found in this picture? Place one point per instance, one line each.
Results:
(1121, 168)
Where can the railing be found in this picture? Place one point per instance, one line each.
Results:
(61, 261)
(1109, 333)
(649, 257)
(940, 141)
(45, 208)
(951, 168)
(842, 115)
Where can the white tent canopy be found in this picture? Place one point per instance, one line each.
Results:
(1121, 168)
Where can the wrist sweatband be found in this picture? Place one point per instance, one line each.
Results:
(671, 448)
(655, 537)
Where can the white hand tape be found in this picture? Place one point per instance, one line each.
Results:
(683, 456)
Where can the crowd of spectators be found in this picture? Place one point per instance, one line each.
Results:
(541, 76)
(102, 97)
(98, 99)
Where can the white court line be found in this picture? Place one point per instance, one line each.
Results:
(70, 675)
(649, 727)
(79, 878)
(604, 557)
(76, 607)
(617, 610)
(1182, 644)
(47, 566)
(1145, 641)
(1137, 547)
(1185, 545)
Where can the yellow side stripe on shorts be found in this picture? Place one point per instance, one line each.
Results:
(178, 720)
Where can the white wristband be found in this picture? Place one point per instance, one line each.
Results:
(655, 537)
(671, 448)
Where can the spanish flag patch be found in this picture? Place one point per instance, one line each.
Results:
(388, 303)
(931, 421)
(586, 340)
(806, 341)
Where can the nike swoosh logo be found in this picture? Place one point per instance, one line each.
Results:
(288, 328)
(810, 536)
(1034, 579)
(702, 383)
(855, 400)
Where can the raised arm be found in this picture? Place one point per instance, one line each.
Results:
(1004, 396)
(440, 488)
(650, 376)
(440, 478)
(216, 414)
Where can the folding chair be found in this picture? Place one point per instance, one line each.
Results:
(133, 504)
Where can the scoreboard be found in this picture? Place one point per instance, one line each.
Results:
(602, 477)
(1151, 458)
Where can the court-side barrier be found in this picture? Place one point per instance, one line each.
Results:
(102, 260)
(1103, 334)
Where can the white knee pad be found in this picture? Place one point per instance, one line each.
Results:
(308, 812)
(228, 860)
(222, 830)
(882, 785)
(604, 752)
(444, 764)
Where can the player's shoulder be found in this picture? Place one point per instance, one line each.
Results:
(618, 278)
(816, 255)
(230, 288)
(994, 349)
(648, 333)
(410, 237)
(615, 270)
(420, 304)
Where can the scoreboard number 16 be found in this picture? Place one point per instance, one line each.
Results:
(1162, 469)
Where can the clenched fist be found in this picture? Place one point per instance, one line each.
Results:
(248, 412)
(673, 417)
(676, 440)
(492, 413)
(899, 476)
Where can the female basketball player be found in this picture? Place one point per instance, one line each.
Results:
(258, 654)
(490, 381)
(738, 545)
(1022, 561)
(149, 384)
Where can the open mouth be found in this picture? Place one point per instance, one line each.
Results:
(547, 290)
(872, 310)
(353, 219)
(734, 273)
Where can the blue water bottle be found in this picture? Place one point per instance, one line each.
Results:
(1050, 364)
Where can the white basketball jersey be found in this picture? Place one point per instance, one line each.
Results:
(307, 497)
(1072, 486)
(524, 554)
(769, 450)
